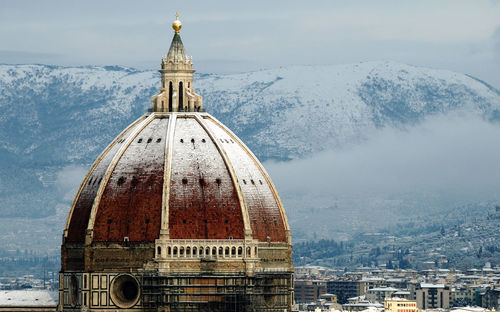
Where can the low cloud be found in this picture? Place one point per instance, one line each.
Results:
(69, 179)
(447, 154)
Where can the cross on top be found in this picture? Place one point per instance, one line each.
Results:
(176, 15)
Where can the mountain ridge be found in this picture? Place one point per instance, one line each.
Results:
(57, 116)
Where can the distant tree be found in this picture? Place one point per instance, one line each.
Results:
(389, 265)
(491, 249)
(404, 264)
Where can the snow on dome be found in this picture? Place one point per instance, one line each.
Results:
(213, 186)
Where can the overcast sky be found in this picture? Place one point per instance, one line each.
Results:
(233, 36)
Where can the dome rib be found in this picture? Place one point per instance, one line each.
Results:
(167, 174)
(234, 178)
(92, 169)
(110, 169)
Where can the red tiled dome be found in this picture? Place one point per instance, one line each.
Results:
(184, 174)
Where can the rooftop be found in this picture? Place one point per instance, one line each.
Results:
(28, 298)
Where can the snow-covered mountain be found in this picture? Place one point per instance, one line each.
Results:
(53, 117)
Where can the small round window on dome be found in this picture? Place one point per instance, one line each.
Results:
(203, 140)
(139, 141)
(182, 141)
(184, 181)
(150, 140)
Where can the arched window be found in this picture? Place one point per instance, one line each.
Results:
(207, 251)
(158, 251)
(188, 251)
(240, 251)
(221, 251)
(248, 251)
(175, 251)
(170, 91)
(181, 97)
(169, 251)
(227, 252)
(233, 251)
(195, 251)
(181, 252)
(214, 251)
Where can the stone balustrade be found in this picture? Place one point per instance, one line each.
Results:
(206, 249)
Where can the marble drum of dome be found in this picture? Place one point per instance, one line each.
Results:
(176, 214)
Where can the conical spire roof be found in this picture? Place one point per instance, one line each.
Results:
(176, 53)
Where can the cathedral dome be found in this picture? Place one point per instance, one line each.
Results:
(184, 175)
(176, 214)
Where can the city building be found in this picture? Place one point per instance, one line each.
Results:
(345, 289)
(461, 296)
(380, 293)
(360, 303)
(432, 296)
(400, 305)
(491, 298)
(308, 290)
(329, 298)
(176, 214)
